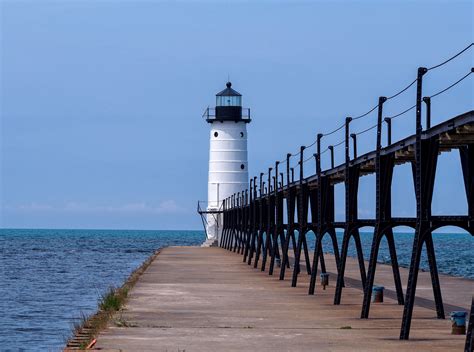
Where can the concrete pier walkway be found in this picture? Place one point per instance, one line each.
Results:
(206, 299)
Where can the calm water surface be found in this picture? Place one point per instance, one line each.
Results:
(453, 251)
(49, 277)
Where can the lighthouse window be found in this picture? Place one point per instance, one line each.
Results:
(216, 134)
(242, 166)
(241, 134)
(229, 101)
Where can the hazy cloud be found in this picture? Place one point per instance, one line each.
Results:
(164, 207)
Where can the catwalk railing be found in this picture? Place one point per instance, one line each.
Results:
(254, 222)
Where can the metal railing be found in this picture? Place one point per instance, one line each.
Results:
(210, 114)
(202, 209)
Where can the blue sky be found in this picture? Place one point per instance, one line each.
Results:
(101, 102)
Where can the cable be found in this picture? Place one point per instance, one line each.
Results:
(338, 144)
(391, 117)
(400, 92)
(434, 95)
(396, 95)
(452, 85)
(451, 58)
(308, 158)
(403, 112)
(366, 130)
(376, 106)
(309, 146)
(295, 154)
(368, 112)
(334, 131)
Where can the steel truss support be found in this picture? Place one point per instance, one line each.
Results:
(290, 231)
(250, 217)
(323, 205)
(254, 226)
(383, 218)
(302, 207)
(270, 216)
(469, 347)
(467, 164)
(290, 212)
(325, 215)
(426, 157)
(351, 188)
(261, 224)
(277, 211)
(253, 222)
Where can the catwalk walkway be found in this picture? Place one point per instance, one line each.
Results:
(207, 299)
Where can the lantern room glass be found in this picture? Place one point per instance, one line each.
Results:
(224, 100)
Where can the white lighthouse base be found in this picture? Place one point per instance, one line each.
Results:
(213, 226)
(210, 243)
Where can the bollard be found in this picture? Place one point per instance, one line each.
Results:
(459, 322)
(377, 294)
(324, 280)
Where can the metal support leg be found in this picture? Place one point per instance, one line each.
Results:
(296, 266)
(342, 265)
(268, 249)
(371, 272)
(469, 347)
(252, 246)
(259, 245)
(285, 260)
(395, 268)
(306, 256)
(434, 276)
(314, 269)
(360, 257)
(411, 285)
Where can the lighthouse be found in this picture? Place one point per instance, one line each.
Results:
(228, 163)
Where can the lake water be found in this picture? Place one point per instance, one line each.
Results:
(49, 277)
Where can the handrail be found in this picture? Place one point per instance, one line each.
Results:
(210, 114)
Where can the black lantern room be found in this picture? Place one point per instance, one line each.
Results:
(228, 107)
(228, 104)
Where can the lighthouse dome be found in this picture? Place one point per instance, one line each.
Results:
(228, 97)
(229, 106)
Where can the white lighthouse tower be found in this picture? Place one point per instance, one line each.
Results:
(228, 166)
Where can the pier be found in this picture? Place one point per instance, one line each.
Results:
(259, 290)
(254, 223)
(264, 221)
(207, 299)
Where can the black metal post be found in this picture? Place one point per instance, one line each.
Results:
(354, 144)
(351, 184)
(318, 233)
(260, 223)
(254, 222)
(388, 121)
(422, 231)
(276, 222)
(289, 229)
(288, 156)
(331, 150)
(250, 220)
(427, 101)
(301, 228)
(268, 229)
